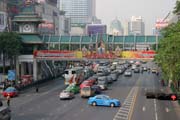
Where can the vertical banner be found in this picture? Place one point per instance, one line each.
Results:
(11, 75)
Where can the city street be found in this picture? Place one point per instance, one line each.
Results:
(46, 105)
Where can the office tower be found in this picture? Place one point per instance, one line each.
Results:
(136, 26)
(80, 12)
(116, 27)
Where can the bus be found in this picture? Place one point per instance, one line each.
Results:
(74, 75)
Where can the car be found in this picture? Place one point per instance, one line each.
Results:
(114, 76)
(73, 88)
(97, 89)
(103, 100)
(109, 79)
(87, 91)
(154, 70)
(128, 73)
(102, 82)
(11, 91)
(86, 83)
(136, 70)
(144, 68)
(134, 67)
(66, 95)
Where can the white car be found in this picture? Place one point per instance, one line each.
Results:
(66, 95)
(128, 73)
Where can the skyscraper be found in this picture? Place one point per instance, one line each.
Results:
(80, 12)
(136, 26)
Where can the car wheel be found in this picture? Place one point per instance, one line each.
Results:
(94, 103)
(112, 105)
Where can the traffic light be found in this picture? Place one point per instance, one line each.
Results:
(162, 96)
(173, 97)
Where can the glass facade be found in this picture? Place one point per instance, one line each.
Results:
(79, 11)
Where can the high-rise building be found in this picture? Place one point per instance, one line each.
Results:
(81, 12)
(116, 27)
(136, 26)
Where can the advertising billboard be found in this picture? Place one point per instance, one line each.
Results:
(160, 23)
(96, 29)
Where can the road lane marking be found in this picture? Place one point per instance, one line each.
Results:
(125, 111)
(133, 104)
(155, 110)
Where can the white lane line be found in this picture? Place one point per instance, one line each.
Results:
(155, 110)
(125, 109)
(143, 108)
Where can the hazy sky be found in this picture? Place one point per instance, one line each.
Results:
(150, 10)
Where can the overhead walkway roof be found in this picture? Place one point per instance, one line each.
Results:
(85, 39)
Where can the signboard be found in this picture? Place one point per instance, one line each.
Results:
(11, 75)
(3, 19)
(57, 54)
(138, 54)
(160, 23)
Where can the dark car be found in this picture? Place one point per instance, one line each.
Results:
(96, 88)
(109, 79)
(114, 76)
(136, 70)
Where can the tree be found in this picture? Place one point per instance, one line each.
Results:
(168, 54)
(10, 47)
(177, 8)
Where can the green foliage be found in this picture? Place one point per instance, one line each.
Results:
(177, 7)
(10, 45)
(168, 56)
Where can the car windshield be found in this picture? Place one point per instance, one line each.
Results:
(10, 89)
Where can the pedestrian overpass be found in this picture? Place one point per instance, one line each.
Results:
(129, 42)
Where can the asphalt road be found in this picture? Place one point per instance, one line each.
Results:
(46, 105)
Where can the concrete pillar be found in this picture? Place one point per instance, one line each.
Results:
(35, 70)
(17, 69)
(22, 68)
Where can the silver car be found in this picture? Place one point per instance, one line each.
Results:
(66, 95)
(128, 73)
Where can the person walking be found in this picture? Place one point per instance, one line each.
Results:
(8, 99)
(37, 89)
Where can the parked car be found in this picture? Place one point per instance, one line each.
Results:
(66, 95)
(97, 89)
(87, 91)
(102, 82)
(73, 88)
(11, 91)
(86, 83)
(103, 100)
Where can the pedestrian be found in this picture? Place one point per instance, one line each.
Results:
(8, 99)
(37, 89)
